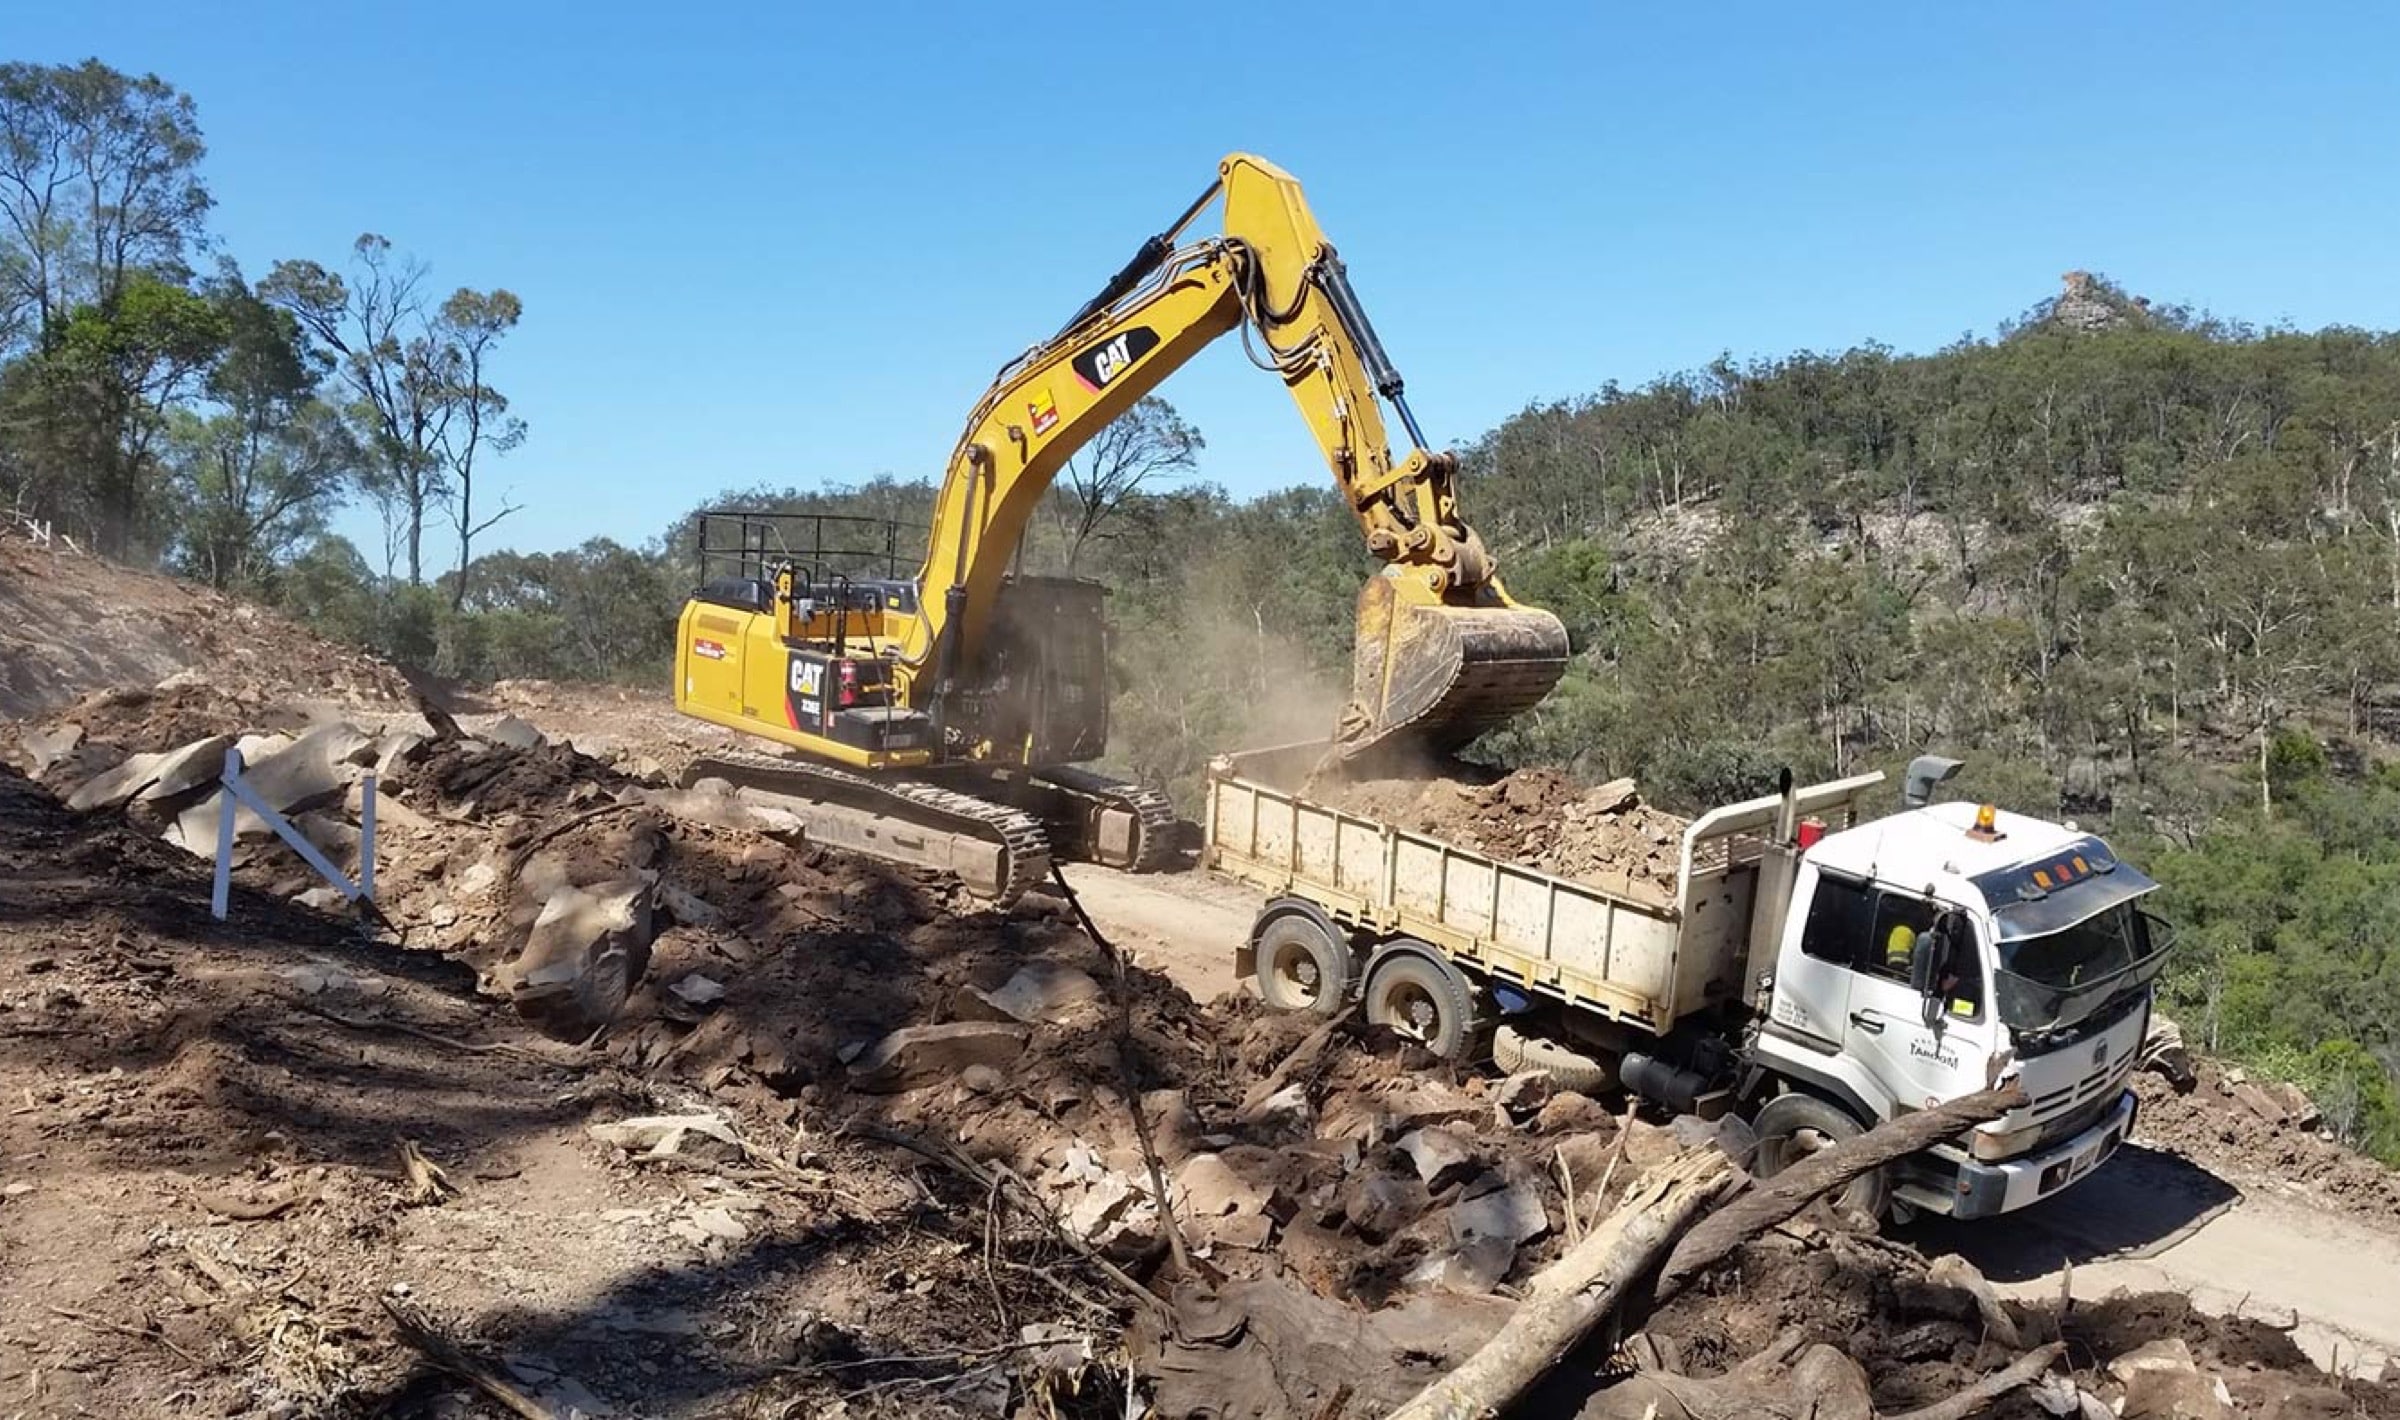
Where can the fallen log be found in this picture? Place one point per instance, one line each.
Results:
(2025, 1370)
(1779, 1199)
(1571, 1296)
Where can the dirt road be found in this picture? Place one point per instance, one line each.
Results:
(1184, 924)
(2150, 1221)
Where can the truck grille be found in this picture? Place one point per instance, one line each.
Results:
(2070, 1109)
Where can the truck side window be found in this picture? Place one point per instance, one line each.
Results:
(1964, 1000)
(1837, 921)
(1899, 921)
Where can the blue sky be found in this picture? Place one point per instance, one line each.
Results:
(791, 243)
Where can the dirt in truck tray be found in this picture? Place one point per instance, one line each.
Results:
(1539, 817)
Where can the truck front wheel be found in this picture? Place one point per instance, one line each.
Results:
(1432, 1005)
(1301, 965)
(1794, 1126)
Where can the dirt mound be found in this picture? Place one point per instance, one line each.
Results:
(71, 624)
(843, 1142)
(2211, 1126)
(1604, 836)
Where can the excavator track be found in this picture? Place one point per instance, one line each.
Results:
(901, 821)
(1152, 813)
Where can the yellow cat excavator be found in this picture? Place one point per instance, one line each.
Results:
(940, 720)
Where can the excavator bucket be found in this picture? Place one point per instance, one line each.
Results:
(1433, 676)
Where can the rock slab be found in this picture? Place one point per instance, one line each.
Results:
(914, 1057)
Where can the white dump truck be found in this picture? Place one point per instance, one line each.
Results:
(1816, 970)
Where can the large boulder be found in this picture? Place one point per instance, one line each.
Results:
(2163, 1382)
(2164, 1053)
(1040, 993)
(45, 748)
(180, 771)
(1442, 1156)
(112, 787)
(1510, 1210)
(515, 733)
(1377, 1204)
(1208, 1187)
(309, 772)
(587, 949)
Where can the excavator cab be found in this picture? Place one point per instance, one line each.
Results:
(1037, 691)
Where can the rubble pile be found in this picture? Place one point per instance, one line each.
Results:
(715, 946)
(2263, 1133)
(1846, 1328)
(1604, 836)
(856, 1121)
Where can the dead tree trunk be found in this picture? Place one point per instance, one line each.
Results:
(1572, 1295)
(1824, 1172)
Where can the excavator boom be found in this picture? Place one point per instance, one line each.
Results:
(1442, 652)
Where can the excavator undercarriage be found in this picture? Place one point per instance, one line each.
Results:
(997, 837)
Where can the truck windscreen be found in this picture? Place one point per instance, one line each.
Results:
(2052, 981)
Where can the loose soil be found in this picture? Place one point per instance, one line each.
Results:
(71, 624)
(2207, 1126)
(1606, 836)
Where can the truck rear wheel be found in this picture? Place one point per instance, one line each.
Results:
(1513, 1050)
(1794, 1126)
(1301, 965)
(1428, 1003)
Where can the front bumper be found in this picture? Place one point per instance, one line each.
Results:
(1964, 1187)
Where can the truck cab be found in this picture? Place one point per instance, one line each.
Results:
(1935, 952)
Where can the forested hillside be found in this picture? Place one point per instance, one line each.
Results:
(2137, 565)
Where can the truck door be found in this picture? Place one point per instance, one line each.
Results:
(1812, 986)
(1921, 1051)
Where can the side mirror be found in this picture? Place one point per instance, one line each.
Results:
(1935, 955)
(1924, 960)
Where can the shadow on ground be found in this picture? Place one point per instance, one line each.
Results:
(2139, 1204)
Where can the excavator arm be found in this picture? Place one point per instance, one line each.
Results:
(1442, 653)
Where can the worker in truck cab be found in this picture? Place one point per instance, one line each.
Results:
(1898, 948)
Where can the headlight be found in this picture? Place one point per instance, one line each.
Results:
(1992, 1146)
